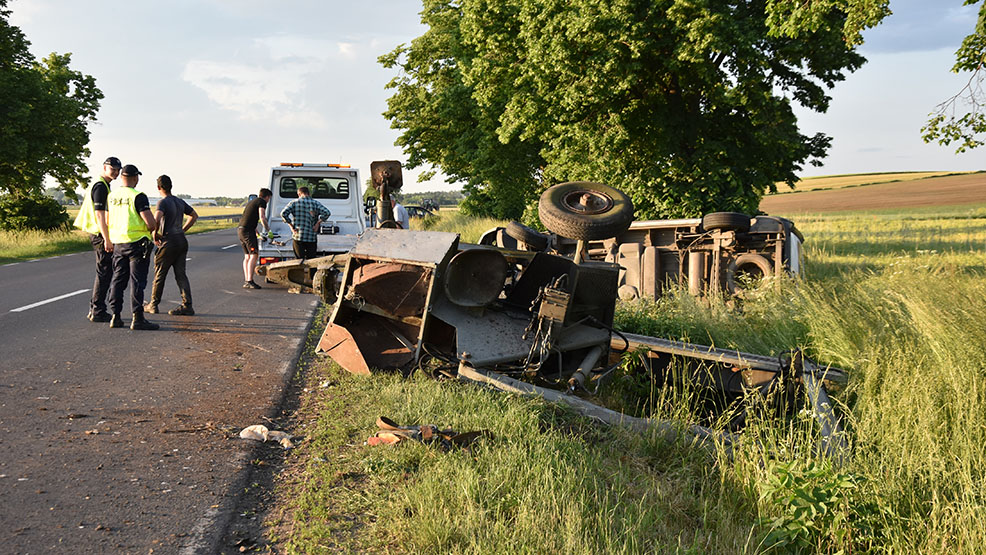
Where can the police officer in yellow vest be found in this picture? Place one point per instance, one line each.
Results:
(131, 225)
(92, 220)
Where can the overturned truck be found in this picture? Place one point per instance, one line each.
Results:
(720, 253)
(514, 317)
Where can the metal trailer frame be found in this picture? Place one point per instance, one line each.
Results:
(397, 294)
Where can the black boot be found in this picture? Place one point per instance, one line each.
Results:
(116, 321)
(140, 323)
(98, 316)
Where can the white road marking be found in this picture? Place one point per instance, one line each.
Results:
(228, 247)
(187, 259)
(58, 298)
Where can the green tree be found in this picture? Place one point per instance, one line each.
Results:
(683, 104)
(44, 119)
(962, 118)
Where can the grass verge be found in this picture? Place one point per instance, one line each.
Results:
(20, 246)
(545, 480)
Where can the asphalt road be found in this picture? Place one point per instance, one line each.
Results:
(124, 441)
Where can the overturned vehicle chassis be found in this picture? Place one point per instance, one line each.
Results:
(401, 297)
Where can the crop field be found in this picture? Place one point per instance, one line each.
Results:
(856, 180)
(897, 297)
(951, 190)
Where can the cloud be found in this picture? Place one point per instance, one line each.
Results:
(920, 25)
(256, 93)
(25, 12)
(274, 86)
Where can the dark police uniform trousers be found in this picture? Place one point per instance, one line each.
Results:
(130, 263)
(104, 273)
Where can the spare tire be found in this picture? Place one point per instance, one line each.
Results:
(585, 211)
(747, 264)
(533, 238)
(726, 221)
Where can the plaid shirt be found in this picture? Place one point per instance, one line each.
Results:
(303, 213)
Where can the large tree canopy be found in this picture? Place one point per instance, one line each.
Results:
(683, 104)
(962, 118)
(44, 116)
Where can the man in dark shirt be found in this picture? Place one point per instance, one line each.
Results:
(92, 220)
(172, 247)
(254, 213)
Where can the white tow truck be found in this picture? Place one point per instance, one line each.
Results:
(336, 186)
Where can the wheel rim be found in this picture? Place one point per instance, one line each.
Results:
(587, 202)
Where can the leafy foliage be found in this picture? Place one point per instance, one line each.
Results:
(819, 509)
(791, 18)
(684, 105)
(44, 117)
(32, 210)
(962, 118)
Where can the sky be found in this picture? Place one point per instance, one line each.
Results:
(215, 92)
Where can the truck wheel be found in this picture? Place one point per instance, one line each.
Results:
(726, 221)
(323, 283)
(753, 266)
(536, 240)
(390, 224)
(586, 211)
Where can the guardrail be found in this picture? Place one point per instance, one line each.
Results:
(220, 218)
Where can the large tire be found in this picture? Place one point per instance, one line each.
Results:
(726, 221)
(585, 211)
(323, 283)
(749, 264)
(533, 238)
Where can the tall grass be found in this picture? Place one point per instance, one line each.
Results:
(469, 228)
(901, 303)
(26, 245)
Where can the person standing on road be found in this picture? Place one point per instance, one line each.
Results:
(131, 225)
(254, 213)
(92, 220)
(304, 215)
(172, 247)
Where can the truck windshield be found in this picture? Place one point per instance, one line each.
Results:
(336, 188)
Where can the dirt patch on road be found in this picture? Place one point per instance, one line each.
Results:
(936, 191)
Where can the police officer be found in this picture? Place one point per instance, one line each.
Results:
(92, 220)
(131, 225)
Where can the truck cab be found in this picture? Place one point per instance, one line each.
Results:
(336, 186)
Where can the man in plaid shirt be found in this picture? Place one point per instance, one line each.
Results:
(305, 215)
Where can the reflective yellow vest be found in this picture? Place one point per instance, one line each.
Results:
(86, 220)
(126, 225)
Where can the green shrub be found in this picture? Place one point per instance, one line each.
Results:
(34, 210)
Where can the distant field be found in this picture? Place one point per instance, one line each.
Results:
(856, 180)
(950, 190)
(202, 210)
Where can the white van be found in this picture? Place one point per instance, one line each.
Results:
(336, 186)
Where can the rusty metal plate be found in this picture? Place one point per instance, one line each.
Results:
(339, 344)
(427, 248)
(399, 289)
(366, 342)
